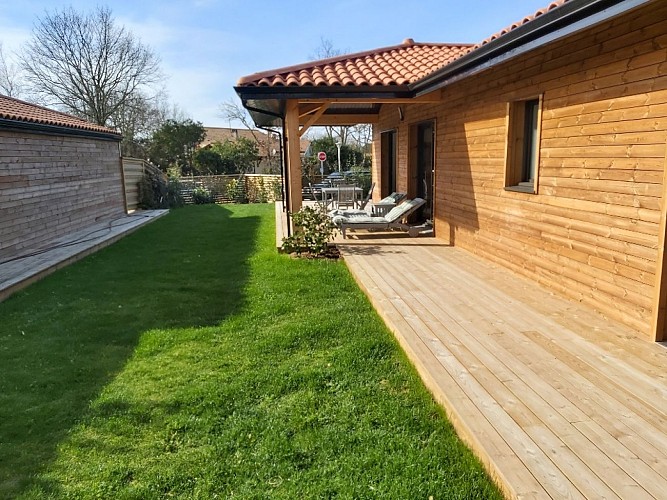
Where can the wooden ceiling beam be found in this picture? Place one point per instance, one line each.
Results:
(345, 119)
(428, 98)
(312, 118)
(305, 110)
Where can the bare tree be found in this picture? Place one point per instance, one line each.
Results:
(10, 77)
(234, 112)
(267, 144)
(361, 135)
(87, 64)
(326, 50)
(140, 116)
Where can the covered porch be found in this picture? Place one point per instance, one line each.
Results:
(556, 400)
(343, 91)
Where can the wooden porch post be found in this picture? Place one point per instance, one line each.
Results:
(293, 154)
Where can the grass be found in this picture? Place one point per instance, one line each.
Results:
(190, 360)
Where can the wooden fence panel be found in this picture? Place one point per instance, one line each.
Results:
(252, 188)
(134, 170)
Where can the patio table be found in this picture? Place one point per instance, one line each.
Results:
(330, 195)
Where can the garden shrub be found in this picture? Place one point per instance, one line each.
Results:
(150, 193)
(313, 232)
(174, 196)
(236, 191)
(155, 192)
(201, 196)
(277, 189)
(257, 192)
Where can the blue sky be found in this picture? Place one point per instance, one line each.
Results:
(206, 45)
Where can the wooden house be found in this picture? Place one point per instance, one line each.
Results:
(58, 174)
(542, 148)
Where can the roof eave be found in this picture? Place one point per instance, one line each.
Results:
(324, 92)
(42, 128)
(567, 19)
(266, 105)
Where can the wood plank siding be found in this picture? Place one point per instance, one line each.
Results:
(591, 232)
(52, 185)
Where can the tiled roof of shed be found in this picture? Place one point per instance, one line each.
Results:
(397, 65)
(15, 109)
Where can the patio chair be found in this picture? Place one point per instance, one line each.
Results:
(319, 203)
(393, 220)
(346, 196)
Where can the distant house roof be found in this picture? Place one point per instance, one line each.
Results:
(222, 134)
(390, 66)
(17, 113)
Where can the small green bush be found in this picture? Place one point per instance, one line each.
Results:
(277, 188)
(149, 193)
(201, 196)
(236, 191)
(313, 232)
(155, 192)
(173, 197)
(262, 195)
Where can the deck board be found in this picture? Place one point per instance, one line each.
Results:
(555, 399)
(22, 270)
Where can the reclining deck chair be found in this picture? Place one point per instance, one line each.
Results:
(370, 208)
(393, 220)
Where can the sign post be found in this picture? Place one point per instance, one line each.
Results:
(322, 156)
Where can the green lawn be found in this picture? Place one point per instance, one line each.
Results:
(190, 360)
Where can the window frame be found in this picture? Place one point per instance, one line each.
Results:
(522, 158)
(388, 161)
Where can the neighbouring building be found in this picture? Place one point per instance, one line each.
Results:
(268, 145)
(58, 174)
(542, 148)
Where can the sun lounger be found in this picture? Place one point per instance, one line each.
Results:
(385, 204)
(393, 219)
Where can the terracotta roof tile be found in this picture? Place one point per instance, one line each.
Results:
(14, 109)
(396, 65)
(512, 27)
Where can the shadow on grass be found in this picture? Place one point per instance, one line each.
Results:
(64, 338)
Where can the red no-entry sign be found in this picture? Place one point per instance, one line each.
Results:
(322, 156)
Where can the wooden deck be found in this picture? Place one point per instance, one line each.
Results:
(34, 264)
(557, 401)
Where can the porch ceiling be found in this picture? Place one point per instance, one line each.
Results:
(269, 112)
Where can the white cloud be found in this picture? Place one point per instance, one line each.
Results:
(152, 32)
(12, 38)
